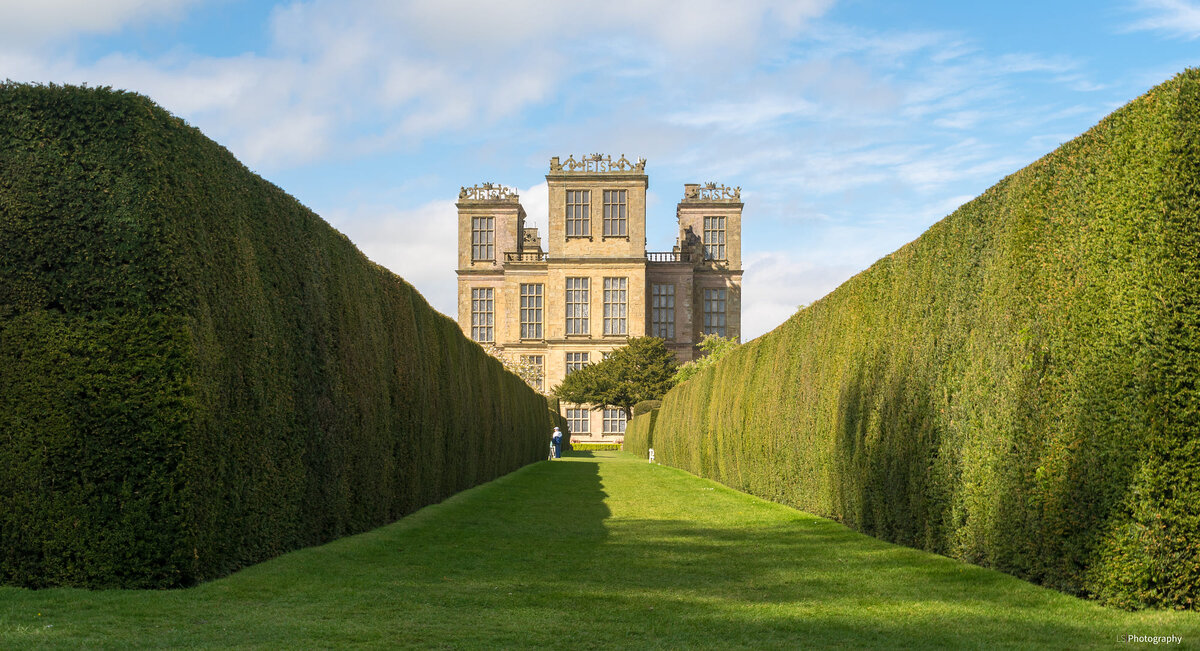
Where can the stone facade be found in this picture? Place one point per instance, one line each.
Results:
(594, 282)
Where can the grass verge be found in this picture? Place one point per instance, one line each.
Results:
(598, 550)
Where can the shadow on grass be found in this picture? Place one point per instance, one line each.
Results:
(799, 581)
(810, 584)
(546, 558)
(465, 572)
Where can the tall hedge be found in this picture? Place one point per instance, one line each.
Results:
(198, 373)
(1016, 388)
(639, 434)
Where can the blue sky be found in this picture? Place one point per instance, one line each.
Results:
(851, 126)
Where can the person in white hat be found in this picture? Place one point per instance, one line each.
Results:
(556, 439)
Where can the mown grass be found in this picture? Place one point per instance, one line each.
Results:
(599, 550)
(1015, 388)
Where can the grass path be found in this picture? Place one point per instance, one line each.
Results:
(601, 550)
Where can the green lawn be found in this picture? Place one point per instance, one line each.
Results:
(599, 550)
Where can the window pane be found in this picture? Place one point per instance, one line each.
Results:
(576, 361)
(614, 421)
(482, 315)
(714, 312)
(615, 305)
(577, 306)
(714, 238)
(579, 421)
(662, 311)
(483, 235)
(614, 213)
(578, 217)
(531, 311)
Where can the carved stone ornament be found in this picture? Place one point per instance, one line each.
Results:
(488, 192)
(597, 163)
(712, 192)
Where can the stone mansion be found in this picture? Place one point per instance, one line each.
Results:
(594, 285)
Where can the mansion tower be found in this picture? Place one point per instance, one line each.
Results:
(594, 285)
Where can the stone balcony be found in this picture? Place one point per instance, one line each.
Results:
(668, 256)
(528, 257)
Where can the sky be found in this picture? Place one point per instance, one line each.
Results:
(850, 125)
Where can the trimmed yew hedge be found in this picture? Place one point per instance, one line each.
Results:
(639, 433)
(197, 373)
(1017, 388)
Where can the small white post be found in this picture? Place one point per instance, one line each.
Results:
(651, 455)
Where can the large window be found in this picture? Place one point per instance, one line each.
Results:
(576, 361)
(614, 213)
(483, 314)
(579, 421)
(714, 238)
(579, 222)
(714, 312)
(483, 238)
(577, 306)
(662, 311)
(531, 311)
(533, 368)
(614, 421)
(615, 302)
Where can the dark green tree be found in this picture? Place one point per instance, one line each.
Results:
(642, 369)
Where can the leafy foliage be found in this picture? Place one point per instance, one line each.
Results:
(1016, 388)
(198, 373)
(715, 348)
(642, 369)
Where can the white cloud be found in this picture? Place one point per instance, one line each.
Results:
(965, 160)
(888, 49)
(850, 126)
(419, 245)
(776, 283)
(536, 202)
(1024, 62)
(1176, 17)
(743, 116)
(298, 136)
(22, 21)
(454, 27)
(248, 103)
(960, 119)
(392, 73)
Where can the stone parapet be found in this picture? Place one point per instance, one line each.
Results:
(488, 192)
(597, 164)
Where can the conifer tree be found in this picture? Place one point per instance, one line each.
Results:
(643, 369)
